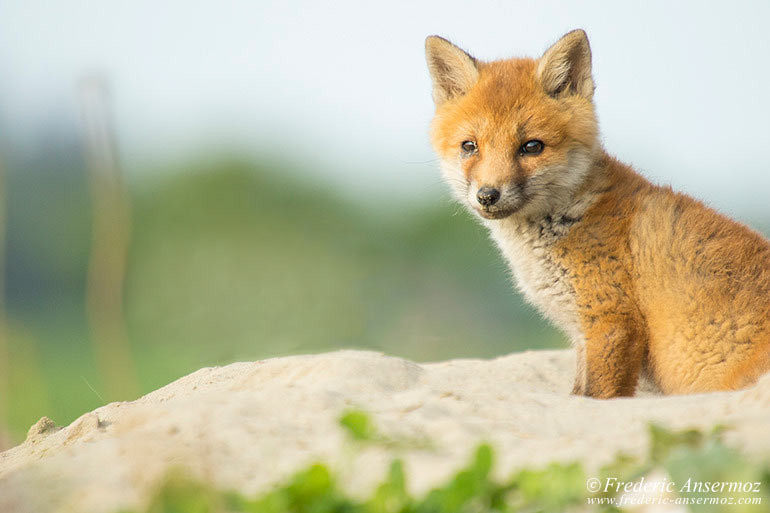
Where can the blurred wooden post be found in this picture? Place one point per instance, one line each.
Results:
(109, 244)
(4, 350)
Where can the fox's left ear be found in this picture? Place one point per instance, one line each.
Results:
(565, 68)
(453, 71)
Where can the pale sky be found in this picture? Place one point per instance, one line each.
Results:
(682, 87)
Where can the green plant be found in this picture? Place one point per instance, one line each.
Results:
(558, 487)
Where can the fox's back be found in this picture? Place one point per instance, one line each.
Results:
(703, 285)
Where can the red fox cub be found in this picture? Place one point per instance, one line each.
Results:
(646, 282)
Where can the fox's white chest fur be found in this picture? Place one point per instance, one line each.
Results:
(528, 248)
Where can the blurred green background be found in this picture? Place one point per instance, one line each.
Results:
(234, 259)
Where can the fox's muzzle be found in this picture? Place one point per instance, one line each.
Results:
(487, 196)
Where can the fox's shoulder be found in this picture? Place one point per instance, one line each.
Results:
(636, 226)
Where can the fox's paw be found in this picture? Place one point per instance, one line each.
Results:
(578, 388)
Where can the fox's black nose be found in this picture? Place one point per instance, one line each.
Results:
(488, 196)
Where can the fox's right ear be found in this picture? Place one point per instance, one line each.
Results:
(453, 71)
(566, 66)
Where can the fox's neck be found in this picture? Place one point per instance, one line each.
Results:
(564, 209)
(527, 241)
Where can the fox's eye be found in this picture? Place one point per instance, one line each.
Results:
(532, 147)
(468, 147)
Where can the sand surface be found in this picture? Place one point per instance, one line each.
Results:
(249, 425)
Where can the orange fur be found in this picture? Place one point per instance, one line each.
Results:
(644, 280)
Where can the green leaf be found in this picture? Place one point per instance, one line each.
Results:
(552, 489)
(359, 425)
(391, 496)
(180, 494)
(663, 441)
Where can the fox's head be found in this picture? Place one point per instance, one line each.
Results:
(514, 136)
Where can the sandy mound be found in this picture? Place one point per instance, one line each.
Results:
(248, 425)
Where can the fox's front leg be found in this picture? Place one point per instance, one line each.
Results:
(613, 361)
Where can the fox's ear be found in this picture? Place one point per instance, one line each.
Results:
(565, 68)
(453, 71)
